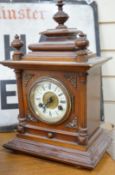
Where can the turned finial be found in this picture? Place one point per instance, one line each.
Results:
(82, 43)
(17, 44)
(60, 17)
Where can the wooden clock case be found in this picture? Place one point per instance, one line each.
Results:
(63, 55)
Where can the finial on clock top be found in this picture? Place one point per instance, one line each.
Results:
(60, 17)
(17, 44)
(62, 39)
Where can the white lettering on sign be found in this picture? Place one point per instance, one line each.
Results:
(22, 13)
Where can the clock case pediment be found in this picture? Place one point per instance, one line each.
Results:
(61, 54)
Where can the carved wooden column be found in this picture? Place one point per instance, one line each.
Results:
(21, 116)
(17, 44)
(83, 135)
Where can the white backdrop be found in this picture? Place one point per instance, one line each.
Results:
(28, 19)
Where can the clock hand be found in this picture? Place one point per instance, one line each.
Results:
(50, 100)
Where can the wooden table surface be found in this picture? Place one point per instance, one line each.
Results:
(19, 164)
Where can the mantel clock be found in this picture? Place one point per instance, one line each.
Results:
(58, 86)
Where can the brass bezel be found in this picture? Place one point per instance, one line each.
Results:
(65, 91)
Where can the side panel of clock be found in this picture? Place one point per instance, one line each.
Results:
(93, 99)
(74, 128)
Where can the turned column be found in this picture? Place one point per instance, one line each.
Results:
(82, 85)
(17, 44)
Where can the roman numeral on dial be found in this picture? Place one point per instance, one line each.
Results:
(62, 101)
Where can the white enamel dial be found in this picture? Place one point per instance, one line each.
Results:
(50, 100)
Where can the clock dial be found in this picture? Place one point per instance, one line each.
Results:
(49, 100)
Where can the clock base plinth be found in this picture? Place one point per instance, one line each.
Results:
(87, 159)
